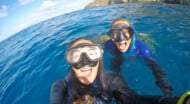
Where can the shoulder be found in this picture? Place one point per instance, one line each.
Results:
(58, 89)
(110, 75)
(143, 50)
(110, 46)
(140, 44)
(59, 85)
(60, 82)
(108, 43)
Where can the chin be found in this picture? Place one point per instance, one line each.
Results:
(123, 50)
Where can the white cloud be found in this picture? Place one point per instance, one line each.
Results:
(3, 11)
(21, 26)
(52, 8)
(24, 2)
(48, 9)
(47, 4)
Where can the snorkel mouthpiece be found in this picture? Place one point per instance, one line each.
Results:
(84, 60)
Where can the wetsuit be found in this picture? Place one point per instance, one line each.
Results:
(116, 88)
(138, 48)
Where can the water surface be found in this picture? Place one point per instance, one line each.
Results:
(31, 60)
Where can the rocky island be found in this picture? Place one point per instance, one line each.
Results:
(109, 2)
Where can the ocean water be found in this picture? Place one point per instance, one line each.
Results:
(31, 60)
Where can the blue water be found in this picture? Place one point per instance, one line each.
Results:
(31, 60)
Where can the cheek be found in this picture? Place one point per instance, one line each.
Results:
(117, 44)
(129, 41)
(127, 34)
(95, 69)
(77, 72)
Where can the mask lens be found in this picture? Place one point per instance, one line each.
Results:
(119, 35)
(114, 33)
(119, 32)
(93, 52)
(75, 55)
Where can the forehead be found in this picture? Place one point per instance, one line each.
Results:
(81, 41)
(121, 21)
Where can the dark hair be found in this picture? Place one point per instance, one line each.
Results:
(100, 74)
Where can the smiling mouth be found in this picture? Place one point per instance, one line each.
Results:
(86, 71)
(122, 45)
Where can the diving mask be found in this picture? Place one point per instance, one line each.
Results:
(84, 54)
(118, 32)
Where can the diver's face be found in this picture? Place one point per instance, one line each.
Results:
(86, 74)
(123, 45)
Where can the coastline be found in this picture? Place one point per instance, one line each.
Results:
(110, 2)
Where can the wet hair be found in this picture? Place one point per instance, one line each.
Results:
(120, 19)
(100, 75)
(130, 29)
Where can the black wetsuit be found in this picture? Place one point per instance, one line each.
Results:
(116, 90)
(138, 48)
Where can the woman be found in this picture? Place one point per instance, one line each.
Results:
(123, 45)
(87, 80)
(88, 84)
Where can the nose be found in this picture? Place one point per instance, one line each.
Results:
(85, 60)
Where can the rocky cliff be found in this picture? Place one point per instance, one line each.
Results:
(108, 2)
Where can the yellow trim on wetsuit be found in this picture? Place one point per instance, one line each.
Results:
(103, 38)
(182, 98)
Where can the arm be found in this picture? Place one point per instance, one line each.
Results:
(115, 64)
(124, 95)
(158, 72)
(160, 77)
(121, 91)
(57, 91)
(116, 61)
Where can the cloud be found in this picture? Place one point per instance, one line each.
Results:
(52, 8)
(24, 2)
(47, 9)
(3, 11)
(47, 4)
(22, 26)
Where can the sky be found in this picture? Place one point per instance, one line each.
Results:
(16, 15)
